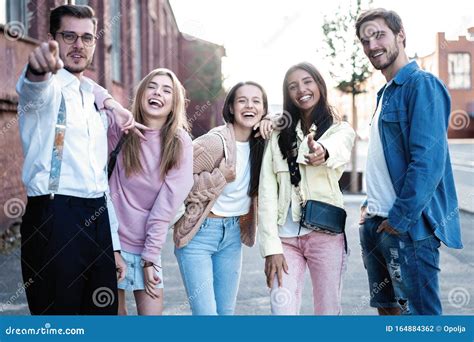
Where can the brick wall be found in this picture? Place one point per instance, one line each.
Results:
(161, 46)
(461, 125)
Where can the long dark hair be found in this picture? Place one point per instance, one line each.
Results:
(257, 145)
(322, 115)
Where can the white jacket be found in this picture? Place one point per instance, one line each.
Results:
(275, 193)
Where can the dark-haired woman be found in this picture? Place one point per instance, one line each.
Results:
(304, 161)
(221, 207)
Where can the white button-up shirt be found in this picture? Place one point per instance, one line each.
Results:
(83, 168)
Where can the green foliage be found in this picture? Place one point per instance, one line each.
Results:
(206, 81)
(349, 65)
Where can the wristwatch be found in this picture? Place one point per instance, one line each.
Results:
(35, 72)
(145, 263)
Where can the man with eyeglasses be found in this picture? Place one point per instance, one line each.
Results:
(70, 256)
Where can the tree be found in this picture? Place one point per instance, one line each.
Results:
(349, 66)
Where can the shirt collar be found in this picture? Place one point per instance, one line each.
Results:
(402, 75)
(66, 79)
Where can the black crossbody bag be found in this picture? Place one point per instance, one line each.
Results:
(316, 215)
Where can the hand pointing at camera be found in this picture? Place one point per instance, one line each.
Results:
(43, 60)
(317, 152)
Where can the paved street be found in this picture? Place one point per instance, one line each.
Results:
(457, 278)
(462, 158)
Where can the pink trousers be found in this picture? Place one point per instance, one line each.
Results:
(324, 256)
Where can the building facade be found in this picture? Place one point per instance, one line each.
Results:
(453, 62)
(134, 37)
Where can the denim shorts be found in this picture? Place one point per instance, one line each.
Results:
(134, 279)
(402, 273)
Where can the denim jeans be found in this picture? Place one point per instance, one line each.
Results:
(210, 266)
(402, 272)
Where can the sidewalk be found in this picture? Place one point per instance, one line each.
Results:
(457, 278)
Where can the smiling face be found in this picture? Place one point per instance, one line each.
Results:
(77, 56)
(303, 91)
(248, 108)
(157, 100)
(380, 44)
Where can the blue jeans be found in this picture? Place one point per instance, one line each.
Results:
(402, 272)
(210, 266)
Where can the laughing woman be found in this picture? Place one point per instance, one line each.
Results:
(221, 207)
(151, 179)
(303, 162)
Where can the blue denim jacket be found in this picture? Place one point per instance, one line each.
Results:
(413, 128)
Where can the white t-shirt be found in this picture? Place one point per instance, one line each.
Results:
(380, 192)
(291, 228)
(234, 199)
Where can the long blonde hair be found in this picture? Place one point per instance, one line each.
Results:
(171, 145)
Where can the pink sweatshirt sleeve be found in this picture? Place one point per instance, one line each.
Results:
(100, 94)
(113, 133)
(175, 189)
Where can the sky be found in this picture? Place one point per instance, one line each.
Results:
(263, 38)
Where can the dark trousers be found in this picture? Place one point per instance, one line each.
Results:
(67, 257)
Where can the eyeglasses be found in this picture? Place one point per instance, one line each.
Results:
(71, 37)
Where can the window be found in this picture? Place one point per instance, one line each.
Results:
(16, 14)
(116, 24)
(3, 12)
(459, 69)
(138, 43)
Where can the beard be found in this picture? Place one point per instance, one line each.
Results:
(391, 56)
(74, 68)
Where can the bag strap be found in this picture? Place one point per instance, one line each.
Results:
(114, 154)
(223, 143)
(58, 148)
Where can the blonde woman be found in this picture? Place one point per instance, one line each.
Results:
(151, 179)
